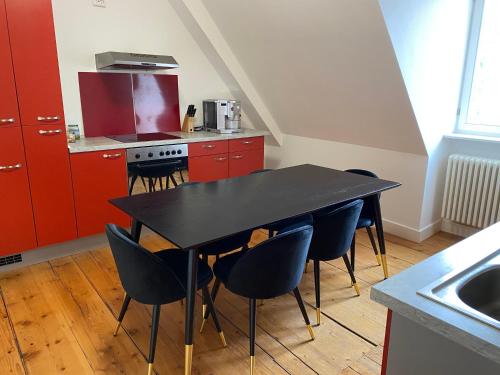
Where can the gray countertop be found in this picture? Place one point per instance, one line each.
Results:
(104, 143)
(399, 293)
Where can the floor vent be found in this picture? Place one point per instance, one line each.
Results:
(11, 259)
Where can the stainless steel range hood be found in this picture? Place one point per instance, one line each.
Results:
(136, 61)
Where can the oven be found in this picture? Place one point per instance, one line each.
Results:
(154, 168)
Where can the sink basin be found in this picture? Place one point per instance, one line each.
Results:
(482, 293)
(473, 291)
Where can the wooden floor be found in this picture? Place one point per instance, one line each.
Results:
(59, 316)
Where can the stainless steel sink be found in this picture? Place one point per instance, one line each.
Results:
(473, 291)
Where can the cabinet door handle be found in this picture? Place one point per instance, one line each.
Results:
(237, 157)
(247, 142)
(10, 168)
(220, 158)
(111, 156)
(50, 132)
(48, 118)
(208, 146)
(7, 120)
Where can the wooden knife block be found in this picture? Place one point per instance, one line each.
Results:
(188, 124)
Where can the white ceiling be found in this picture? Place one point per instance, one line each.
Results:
(324, 68)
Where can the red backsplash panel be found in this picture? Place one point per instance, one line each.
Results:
(156, 103)
(124, 103)
(107, 103)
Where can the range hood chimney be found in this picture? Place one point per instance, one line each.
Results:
(135, 61)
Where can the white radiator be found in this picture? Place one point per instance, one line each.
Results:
(472, 191)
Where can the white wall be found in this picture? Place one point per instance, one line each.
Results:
(326, 69)
(146, 26)
(401, 207)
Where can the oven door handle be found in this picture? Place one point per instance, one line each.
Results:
(163, 164)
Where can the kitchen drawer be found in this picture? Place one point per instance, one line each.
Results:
(242, 163)
(207, 148)
(208, 168)
(243, 144)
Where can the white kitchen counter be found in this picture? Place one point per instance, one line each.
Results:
(104, 143)
(399, 293)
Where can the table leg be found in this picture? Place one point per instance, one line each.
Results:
(135, 230)
(380, 233)
(190, 303)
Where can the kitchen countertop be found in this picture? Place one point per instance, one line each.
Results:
(399, 293)
(104, 143)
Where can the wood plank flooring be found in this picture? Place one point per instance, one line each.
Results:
(59, 316)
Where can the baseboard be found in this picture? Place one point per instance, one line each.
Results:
(457, 229)
(409, 233)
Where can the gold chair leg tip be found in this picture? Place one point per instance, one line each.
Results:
(252, 365)
(117, 329)
(188, 359)
(203, 325)
(311, 332)
(223, 339)
(318, 316)
(356, 288)
(150, 369)
(379, 261)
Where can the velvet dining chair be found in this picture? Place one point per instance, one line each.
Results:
(268, 270)
(332, 237)
(366, 218)
(154, 279)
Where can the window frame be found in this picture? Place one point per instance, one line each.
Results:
(461, 126)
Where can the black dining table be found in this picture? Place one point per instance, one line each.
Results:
(203, 213)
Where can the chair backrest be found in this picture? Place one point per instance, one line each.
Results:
(368, 210)
(272, 268)
(261, 170)
(144, 276)
(334, 231)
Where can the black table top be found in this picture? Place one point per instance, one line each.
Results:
(199, 214)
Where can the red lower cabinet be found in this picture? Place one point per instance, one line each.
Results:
(97, 178)
(208, 168)
(50, 181)
(244, 162)
(16, 221)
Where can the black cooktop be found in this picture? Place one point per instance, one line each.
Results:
(130, 138)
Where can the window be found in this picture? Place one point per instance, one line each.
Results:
(479, 111)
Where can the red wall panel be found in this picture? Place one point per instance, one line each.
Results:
(156, 103)
(107, 104)
(123, 103)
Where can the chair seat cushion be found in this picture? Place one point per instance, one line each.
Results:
(227, 244)
(364, 222)
(177, 260)
(223, 267)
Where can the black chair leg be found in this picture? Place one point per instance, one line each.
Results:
(144, 183)
(353, 250)
(154, 333)
(253, 321)
(374, 245)
(173, 180)
(215, 317)
(126, 301)
(298, 297)
(132, 183)
(351, 273)
(316, 289)
(213, 296)
(182, 176)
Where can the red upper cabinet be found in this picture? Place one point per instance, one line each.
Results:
(97, 178)
(50, 181)
(16, 221)
(9, 114)
(34, 54)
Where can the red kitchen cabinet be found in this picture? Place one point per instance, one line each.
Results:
(208, 168)
(244, 144)
(244, 162)
(16, 221)
(97, 178)
(9, 115)
(34, 56)
(207, 148)
(50, 181)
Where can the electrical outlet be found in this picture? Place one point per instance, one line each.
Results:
(99, 3)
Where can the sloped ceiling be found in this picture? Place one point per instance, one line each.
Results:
(324, 68)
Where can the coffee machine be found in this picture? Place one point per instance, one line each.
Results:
(222, 115)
